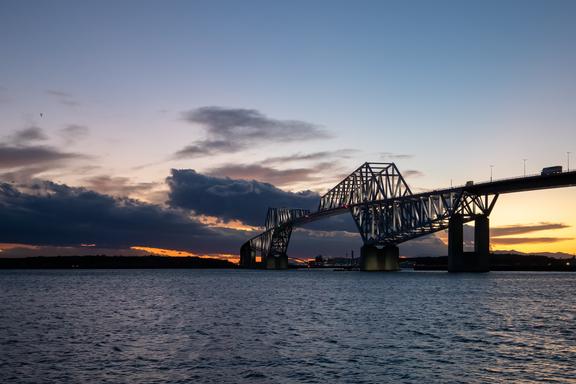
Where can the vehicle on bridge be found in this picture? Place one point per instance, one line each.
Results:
(551, 170)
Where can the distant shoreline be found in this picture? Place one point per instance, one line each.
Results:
(113, 262)
(498, 262)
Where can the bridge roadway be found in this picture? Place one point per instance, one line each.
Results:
(387, 213)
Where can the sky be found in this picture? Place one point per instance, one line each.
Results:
(137, 126)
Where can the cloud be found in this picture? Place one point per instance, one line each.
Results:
(27, 135)
(233, 129)
(58, 93)
(117, 186)
(342, 153)
(398, 156)
(207, 147)
(341, 224)
(278, 177)
(520, 229)
(230, 199)
(526, 240)
(73, 132)
(48, 214)
(25, 174)
(246, 200)
(58, 219)
(15, 156)
(64, 97)
(412, 173)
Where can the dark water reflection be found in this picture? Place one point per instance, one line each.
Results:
(187, 326)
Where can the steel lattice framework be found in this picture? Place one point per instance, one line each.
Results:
(274, 241)
(370, 182)
(383, 206)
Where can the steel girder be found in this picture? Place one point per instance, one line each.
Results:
(370, 182)
(396, 220)
(274, 241)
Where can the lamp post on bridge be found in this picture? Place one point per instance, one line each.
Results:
(524, 166)
(568, 156)
(491, 168)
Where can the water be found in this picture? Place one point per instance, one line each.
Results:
(236, 326)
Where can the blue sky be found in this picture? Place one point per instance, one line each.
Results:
(453, 86)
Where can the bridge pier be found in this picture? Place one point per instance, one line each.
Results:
(247, 256)
(477, 261)
(373, 258)
(277, 262)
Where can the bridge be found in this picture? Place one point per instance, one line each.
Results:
(387, 213)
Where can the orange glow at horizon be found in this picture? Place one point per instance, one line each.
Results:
(215, 222)
(177, 253)
(164, 252)
(7, 246)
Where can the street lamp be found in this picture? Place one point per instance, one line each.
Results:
(568, 156)
(491, 168)
(524, 160)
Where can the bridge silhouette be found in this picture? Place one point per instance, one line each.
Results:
(387, 213)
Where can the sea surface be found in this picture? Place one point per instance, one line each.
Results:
(306, 326)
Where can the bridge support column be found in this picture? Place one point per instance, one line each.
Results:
(278, 262)
(247, 256)
(373, 258)
(477, 261)
(482, 243)
(456, 243)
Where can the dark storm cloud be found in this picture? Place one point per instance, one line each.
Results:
(233, 129)
(16, 156)
(230, 199)
(522, 229)
(51, 215)
(45, 213)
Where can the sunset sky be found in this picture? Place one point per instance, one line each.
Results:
(135, 126)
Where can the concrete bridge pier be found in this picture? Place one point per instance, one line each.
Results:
(247, 256)
(373, 258)
(477, 261)
(277, 262)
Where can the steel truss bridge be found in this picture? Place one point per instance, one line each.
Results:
(387, 213)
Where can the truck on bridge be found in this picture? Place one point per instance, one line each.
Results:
(551, 170)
